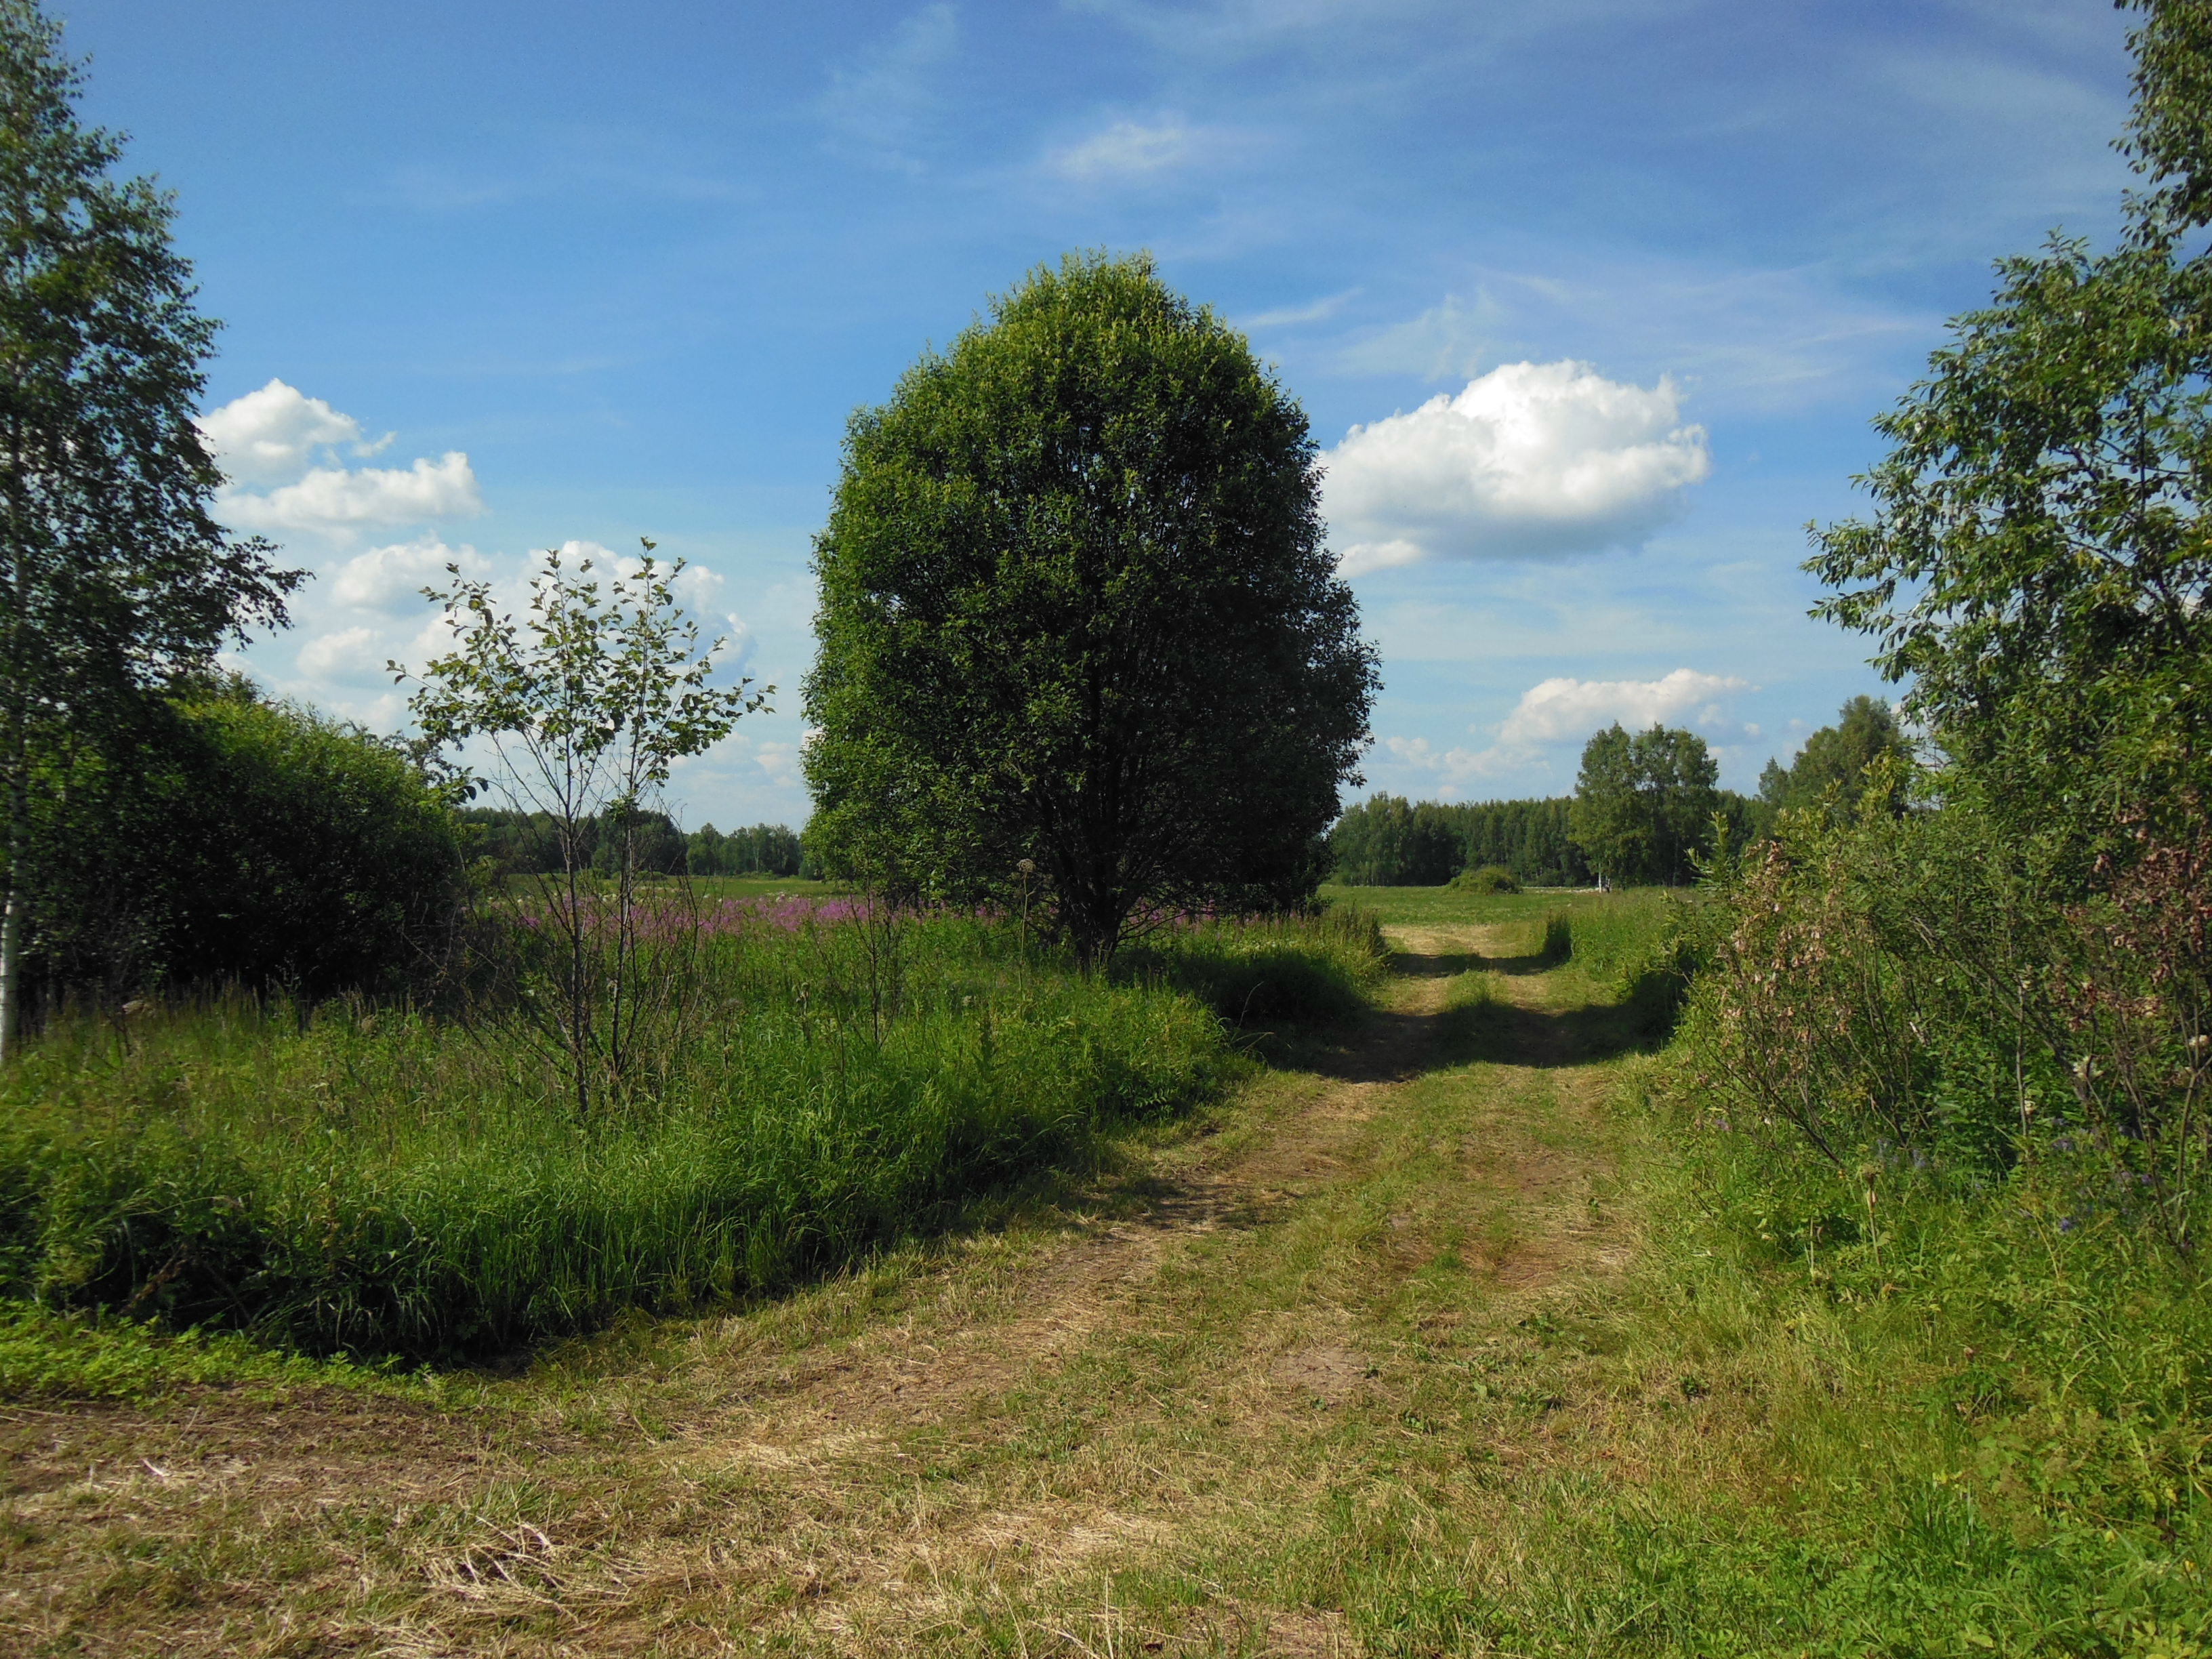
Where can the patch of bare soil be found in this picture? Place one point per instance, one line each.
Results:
(314, 1443)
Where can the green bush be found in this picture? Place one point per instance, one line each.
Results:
(224, 839)
(1489, 879)
(1932, 1252)
(1911, 983)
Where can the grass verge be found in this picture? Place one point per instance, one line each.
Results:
(369, 1182)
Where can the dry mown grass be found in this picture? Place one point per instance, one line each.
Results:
(1235, 1399)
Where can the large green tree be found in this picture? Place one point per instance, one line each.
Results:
(1645, 804)
(113, 576)
(1076, 609)
(2038, 565)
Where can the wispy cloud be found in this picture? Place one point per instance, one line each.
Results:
(1320, 311)
(882, 104)
(1445, 342)
(1129, 150)
(1755, 338)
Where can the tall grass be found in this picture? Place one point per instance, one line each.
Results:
(1266, 970)
(1960, 1420)
(1640, 948)
(375, 1181)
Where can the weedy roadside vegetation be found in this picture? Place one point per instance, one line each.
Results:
(1921, 1193)
(380, 1180)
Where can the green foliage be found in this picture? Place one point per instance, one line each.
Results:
(1940, 1087)
(585, 705)
(529, 843)
(1489, 879)
(114, 575)
(767, 849)
(1914, 984)
(2169, 135)
(1644, 804)
(375, 1182)
(219, 838)
(1389, 842)
(1076, 608)
(2037, 565)
(1831, 771)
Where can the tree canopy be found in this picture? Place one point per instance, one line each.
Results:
(2037, 563)
(1831, 767)
(1645, 804)
(1076, 609)
(114, 575)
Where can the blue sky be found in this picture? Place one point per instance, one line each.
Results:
(1609, 289)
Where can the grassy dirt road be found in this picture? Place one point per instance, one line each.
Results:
(1292, 1381)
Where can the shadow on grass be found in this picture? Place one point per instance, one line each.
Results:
(1395, 1046)
(1501, 1033)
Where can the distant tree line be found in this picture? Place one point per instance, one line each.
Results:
(765, 849)
(1645, 809)
(529, 843)
(1390, 842)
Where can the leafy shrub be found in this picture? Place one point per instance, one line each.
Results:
(229, 839)
(1489, 879)
(1910, 983)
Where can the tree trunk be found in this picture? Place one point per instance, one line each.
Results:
(11, 969)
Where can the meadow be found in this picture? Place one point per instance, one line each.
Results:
(1465, 1325)
(384, 1181)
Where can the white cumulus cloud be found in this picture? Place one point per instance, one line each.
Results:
(270, 437)
(336, 500)
(1569, 708)
(392, 578)
(280, 436)
(351, 656)
(1531, 460)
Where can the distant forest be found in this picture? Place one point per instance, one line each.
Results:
(1390, 842)
(524, 842)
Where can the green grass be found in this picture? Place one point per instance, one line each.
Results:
(372, 1180)
(1988, 1435)
(1432, 907)
(1269, 971)
(45, 1355)
(1492, 1343)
